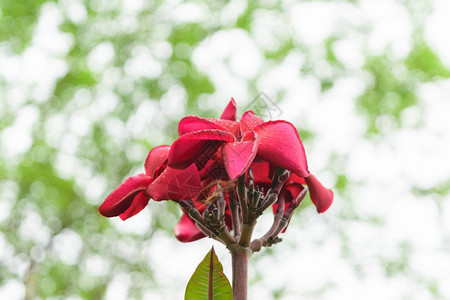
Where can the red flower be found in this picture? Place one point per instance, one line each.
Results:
(212, 144)
(158, 183)
(240, 143)
(212, 152)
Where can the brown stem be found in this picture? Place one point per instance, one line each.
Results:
(208, 232)
(225, 236)
(235, 214)
(277, 218)
(269, 200)
(240, 257)
(242, 195)
(220, 202)
(194, 214)
(246, 235)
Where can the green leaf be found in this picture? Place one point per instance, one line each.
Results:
(208, 281)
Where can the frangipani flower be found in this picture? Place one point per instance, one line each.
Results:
(159, 182)
(218, 151)
(225, 174)
(240, 143)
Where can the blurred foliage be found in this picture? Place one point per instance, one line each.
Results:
(389, 94)
(423, 59)
(17, 22)
(38, 188)
(393, 87)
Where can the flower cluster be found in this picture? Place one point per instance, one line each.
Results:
(224, 173)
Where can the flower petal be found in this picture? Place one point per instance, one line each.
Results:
(122, 198)
(320, 195)
(261, 173)
(280, 145)
(293, 178)
(175, 184)
(293, 189)
(139, 203)
(238, 156)
(248, 121)
(195, 123)
(196, 147)
(230, 112)
(186, 231)
(155, 158)
(214, 169)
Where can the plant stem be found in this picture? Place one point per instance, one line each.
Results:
(240, 257)
(246, 235)
(235, 214)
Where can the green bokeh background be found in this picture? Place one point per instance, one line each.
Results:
(50, 185)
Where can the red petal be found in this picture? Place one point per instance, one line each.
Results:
(248, 121)
(320, 196)
(175, 184)
(214, 169)
(184, 150)
(293, 189)
(238, 156)
(139, 203)
(280, 145)
(195, 123)
(261, 171)
(230, 112)
(293, 178)
(121, 198)
(155, 158)
(186, 230)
